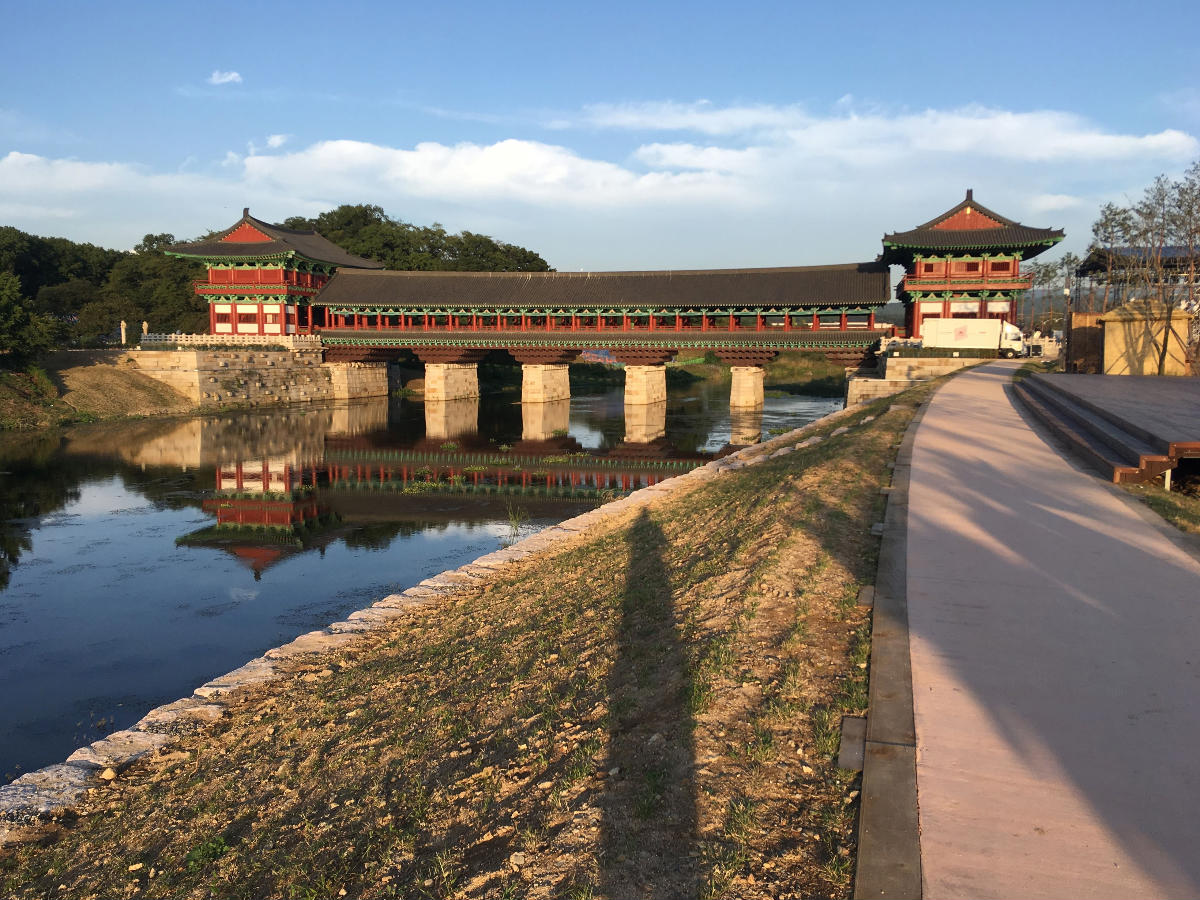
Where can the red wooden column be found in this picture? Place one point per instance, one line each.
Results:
(842, 321)
(212, 318)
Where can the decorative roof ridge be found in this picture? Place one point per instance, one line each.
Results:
(311, 245)
(970, 201)
(869, 266)
(266, 228)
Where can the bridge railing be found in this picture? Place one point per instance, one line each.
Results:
(291, 341)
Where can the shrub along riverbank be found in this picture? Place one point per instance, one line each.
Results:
(652, 709)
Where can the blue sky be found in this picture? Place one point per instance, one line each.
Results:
(609, 136)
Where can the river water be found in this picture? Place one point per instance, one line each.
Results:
(139, 560)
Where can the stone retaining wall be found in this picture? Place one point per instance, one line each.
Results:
(252, 376)
(898, 373)
(37, 796)
(923, 368)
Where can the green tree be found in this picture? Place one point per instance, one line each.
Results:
(147, 285)
(366, 230)
(1109, 232)
(24, 335)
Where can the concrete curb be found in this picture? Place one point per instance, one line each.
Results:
(889, 841)
(38, 796)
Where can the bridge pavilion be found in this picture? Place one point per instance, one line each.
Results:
(965, 263)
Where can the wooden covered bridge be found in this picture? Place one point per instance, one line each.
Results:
(264, 280)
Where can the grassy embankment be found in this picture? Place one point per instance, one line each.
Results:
(1179, 506)
(652, 710)
(64, 393)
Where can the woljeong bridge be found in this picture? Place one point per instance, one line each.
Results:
(267, 280)
(264, 280)
(544, 319)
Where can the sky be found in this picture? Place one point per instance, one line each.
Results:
(603, 136)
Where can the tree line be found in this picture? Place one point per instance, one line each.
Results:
(368, 231)
(57, 293)
(1148, 249)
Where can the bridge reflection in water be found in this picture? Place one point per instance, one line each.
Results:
(295, 482)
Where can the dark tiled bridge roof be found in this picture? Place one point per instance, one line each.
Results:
(852, 284)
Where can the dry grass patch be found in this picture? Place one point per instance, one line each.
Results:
(651, 713)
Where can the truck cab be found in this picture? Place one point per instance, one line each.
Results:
(1012, 344)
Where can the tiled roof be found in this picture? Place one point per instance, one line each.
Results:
(280, 241)
(934, 235)
(864, 284)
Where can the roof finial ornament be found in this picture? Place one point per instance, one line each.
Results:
(970, 194)
(246, 209)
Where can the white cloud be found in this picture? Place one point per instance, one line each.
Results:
(747, 185)
(702, 117)
(1046, 203)
(219, 77)
(691, 156)
(509, 170)
(1033, 135)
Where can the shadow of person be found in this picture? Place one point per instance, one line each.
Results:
(648, 825)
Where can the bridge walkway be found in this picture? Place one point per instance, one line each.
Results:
(1055, 641)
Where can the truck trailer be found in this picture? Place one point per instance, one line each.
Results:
(973, 334)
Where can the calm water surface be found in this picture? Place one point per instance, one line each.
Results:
(140, 560)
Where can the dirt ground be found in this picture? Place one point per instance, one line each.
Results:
(106, 391)
(652, 712)
(61, 395)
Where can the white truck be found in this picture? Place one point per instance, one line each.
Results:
(973, 334)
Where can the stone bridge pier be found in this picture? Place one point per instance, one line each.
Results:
(645, 374)
(451, 373)
(746, 366)
(544, 377)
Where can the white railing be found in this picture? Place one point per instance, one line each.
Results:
(291, 341)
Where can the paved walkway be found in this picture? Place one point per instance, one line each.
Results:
(1055, 637)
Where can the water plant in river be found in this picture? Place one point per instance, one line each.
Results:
(517, 517)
